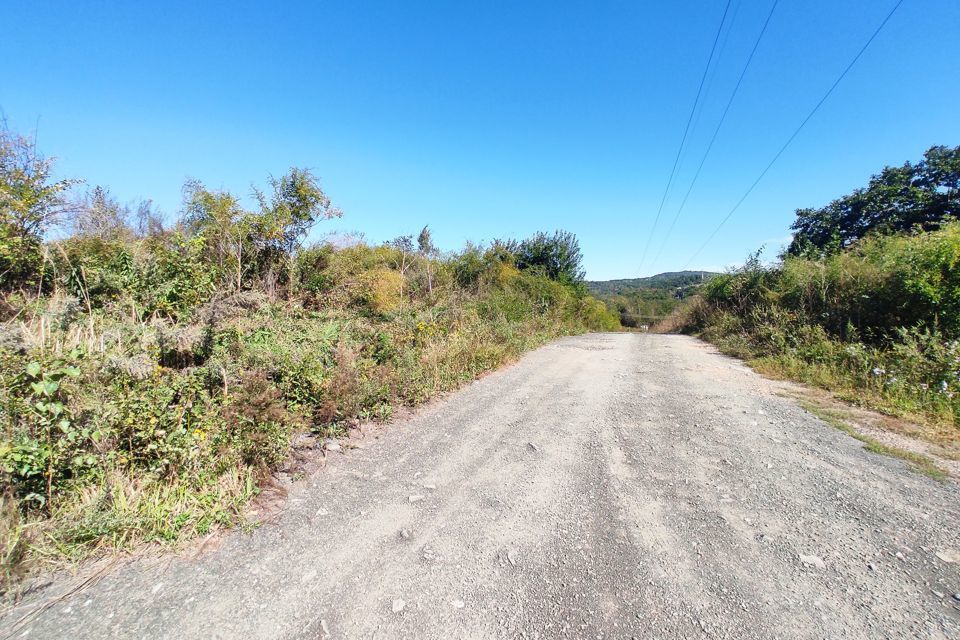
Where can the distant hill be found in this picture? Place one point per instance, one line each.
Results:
(643, 301)
(669, 280)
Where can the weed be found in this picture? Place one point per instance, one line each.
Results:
(163, 431)
(13, 543)
(918, 462)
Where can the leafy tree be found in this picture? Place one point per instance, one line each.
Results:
(557, 256)
(256, 245)
(897, 199)
(224, 228)
(296, 203)
(31, 201)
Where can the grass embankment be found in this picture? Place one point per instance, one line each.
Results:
(877, 324)
(124, 429)
(153, 374)
(865, 301)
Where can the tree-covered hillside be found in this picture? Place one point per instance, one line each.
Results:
(644, 301)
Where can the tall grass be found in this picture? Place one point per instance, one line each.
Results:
(120, 428)
(153, 373)
(879, 322)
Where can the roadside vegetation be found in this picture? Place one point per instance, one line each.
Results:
(838, 420)
(865, 301)
(154, 373)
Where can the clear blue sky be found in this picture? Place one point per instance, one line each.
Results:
(487, 119)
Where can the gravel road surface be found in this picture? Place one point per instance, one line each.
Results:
(605, 486)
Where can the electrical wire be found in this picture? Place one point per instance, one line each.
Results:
(716, 131)
(793, 136)
(686, 131)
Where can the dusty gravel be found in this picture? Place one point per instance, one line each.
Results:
(606, 486)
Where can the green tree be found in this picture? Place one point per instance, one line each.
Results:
(295, 204)
(31, 201)
(557, 257)
(897, 199)
(224, 228)
(259, 246)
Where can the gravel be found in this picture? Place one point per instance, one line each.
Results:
(606, 486)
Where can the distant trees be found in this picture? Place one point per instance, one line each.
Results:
(220, 244)
(554, 256)
(897, 199)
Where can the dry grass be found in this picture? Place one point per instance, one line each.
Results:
(852, 422)
(871, 408)
(13, 543)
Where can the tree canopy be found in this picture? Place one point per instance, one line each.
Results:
(30, 201)
(557, 256)
(897, 199)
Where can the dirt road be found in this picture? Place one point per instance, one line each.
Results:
(606, 486)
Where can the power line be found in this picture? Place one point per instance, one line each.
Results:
(686, 130)
(716, 131)
(731, 21)
(796, 132)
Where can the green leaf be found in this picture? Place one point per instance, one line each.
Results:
(33, 369)
(50, 387)
(36, 497)
(73, 372)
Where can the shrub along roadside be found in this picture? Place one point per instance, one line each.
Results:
(876, 323)
(152, 375)
(157, 431)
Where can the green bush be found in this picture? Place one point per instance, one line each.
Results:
(156, 373)
(880, 319)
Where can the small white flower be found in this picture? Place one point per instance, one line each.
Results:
(877, 371)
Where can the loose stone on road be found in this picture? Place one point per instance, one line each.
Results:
(605, 486)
